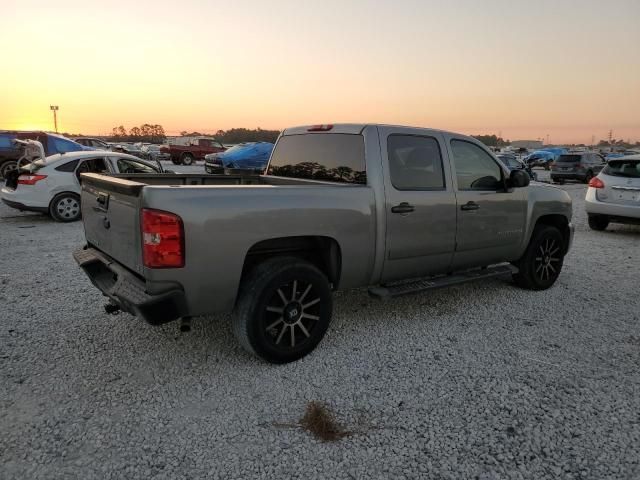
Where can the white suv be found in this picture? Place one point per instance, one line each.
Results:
(52, 185)
(614, 195)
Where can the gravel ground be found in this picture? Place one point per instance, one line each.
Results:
(480, 381)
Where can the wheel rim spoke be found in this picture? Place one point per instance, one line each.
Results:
(304, 330)
(284, 299)
(284, 328)
(276, 323)
(311, 303)
(291, 304)
(305, 293)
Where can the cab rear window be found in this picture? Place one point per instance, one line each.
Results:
(332, 157)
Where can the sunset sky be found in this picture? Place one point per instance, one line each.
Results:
(564, 68)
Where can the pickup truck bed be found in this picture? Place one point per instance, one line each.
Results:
(245, 211)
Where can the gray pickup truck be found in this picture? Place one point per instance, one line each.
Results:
(396, 209)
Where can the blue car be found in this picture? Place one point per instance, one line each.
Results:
(540, 158)
(246, 157)
(51, 142)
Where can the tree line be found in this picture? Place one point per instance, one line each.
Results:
(240, 135)
(144, 133)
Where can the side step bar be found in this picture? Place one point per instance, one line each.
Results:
(431, 283)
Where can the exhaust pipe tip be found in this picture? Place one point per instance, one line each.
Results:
(185, 324)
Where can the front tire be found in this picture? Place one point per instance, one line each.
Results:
(284, 309)
(541, 263)
(187, 159)
(598, 222)
(65, 207)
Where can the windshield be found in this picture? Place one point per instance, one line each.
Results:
(623, 168)
(569, 158)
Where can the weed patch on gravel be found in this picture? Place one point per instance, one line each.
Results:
(320, 422)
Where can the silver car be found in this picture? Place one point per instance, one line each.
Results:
(614, 195)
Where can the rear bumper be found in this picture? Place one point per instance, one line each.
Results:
(568, 176)
(593, 206)
(130, 292)
(24, 208)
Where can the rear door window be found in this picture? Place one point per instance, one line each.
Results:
(92, 165)
(330, 157)
(415, 163)
(68, 166)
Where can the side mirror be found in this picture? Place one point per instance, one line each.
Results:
(518, 179)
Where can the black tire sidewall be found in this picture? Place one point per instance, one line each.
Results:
(261, 293)
(187, 159)
(54, 213)
(598, 222)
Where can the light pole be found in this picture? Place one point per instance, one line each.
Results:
(54, 108)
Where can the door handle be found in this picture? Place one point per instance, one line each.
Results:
(470, 206)
(404, 208)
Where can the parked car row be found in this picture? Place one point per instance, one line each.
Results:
(52, 143)
(52, 184)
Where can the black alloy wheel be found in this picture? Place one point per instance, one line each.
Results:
(284, 309)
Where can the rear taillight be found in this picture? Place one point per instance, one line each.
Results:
(320, 128)
(595, 182)
(162, 239)
(30, 179)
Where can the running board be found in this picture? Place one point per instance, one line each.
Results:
(432, 283)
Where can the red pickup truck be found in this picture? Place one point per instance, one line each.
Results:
(196, 149)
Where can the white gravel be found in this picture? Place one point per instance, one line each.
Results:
(481, 381)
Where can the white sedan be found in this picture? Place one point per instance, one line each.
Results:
(52, 185)
(614, 195)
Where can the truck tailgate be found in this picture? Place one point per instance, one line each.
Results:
(111, 217)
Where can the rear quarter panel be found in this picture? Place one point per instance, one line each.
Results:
(221, 224)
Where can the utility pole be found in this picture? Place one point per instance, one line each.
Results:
(610, 140)
(54, 108)
(547, 139)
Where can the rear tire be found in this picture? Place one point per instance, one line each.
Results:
(598, 222)
(175, 162)
(187, 159)
(283, 310)
(542, 261)
(65, 207)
